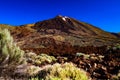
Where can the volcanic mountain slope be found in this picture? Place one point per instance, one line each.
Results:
(61, 31)
(70, 26)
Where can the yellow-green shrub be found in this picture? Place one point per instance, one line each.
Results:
(67, 71)
(40, 59)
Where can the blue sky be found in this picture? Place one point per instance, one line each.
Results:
(104, 14)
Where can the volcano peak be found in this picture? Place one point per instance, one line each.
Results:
(63, 17)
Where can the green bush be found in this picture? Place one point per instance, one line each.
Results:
(40, 59)
(10, 54)
(66, 71)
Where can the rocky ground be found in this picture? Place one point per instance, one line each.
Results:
(103, 67)
(98, 66)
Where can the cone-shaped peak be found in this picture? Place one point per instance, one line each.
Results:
(62, 17)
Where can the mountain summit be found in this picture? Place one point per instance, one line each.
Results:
(69, 25)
